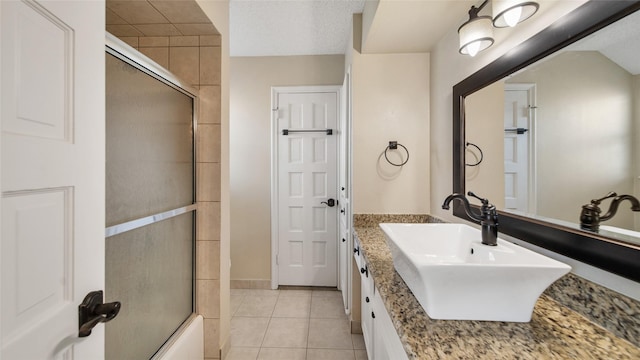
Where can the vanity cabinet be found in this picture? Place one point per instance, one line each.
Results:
(386, 342)
(366, 298)
(380, 337)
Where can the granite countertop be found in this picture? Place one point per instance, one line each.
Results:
(555, 331)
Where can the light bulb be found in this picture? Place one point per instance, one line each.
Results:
(473, 48)
(512, 17)
(475, 35)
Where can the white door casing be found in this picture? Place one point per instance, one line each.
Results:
(52, 167)
(517, 146)
(344, 184)
(306, 240)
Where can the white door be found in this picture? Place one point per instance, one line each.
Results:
(52, 151)
(517, 122)
(307, 184)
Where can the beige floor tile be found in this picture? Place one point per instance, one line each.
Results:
(261, 292)
(358, 341)
(282, 354)
(295, 293)
(287, 333)
(327, 293)
(292, 307)
(361, 354)
(329, 307)
(282, 326)
(234, 303)
(239, 353)
(248, 331)
(330, 354)
(258, 306)
(329, 334)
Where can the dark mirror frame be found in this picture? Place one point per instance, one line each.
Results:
(617, 257)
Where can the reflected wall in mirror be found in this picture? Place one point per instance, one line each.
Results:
(578, 112)
(558, 124)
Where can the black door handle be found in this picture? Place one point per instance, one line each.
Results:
(329, 203)
(93, 311)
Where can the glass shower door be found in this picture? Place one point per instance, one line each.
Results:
(150, 208)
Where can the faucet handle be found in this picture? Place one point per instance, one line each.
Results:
(609, 195)
(484, 201)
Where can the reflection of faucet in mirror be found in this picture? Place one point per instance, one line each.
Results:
(590, 216)
(488, 216)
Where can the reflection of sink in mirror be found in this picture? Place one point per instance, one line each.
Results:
(455, 277)
(617, 230)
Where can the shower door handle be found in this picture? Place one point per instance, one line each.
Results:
(93, 311)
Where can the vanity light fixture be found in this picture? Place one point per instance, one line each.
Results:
(477, 33)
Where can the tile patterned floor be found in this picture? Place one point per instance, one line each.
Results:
(291, 325)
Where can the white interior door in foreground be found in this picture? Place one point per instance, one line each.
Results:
(307, 188)
(52, 151)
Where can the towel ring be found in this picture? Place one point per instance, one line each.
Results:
(393, 146)
(481, 154)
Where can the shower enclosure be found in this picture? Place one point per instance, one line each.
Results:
(150, 204)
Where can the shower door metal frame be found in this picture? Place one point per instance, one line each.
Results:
(129, 55)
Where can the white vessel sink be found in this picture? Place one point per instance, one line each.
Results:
(455, 277)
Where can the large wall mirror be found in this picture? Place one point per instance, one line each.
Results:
(553, 124)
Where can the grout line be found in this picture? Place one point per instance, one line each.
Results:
(265, 334)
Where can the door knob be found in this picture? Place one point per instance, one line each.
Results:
(329, 203)
(93, 311)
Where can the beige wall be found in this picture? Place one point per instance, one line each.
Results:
(390, 95)
(596, 109)
(484, 124)
(250, 146)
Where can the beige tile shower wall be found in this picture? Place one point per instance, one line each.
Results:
(196, 59)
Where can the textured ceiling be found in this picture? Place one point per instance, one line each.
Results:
(290, 27)
(157, 18)
(619, 42)
(316, 27)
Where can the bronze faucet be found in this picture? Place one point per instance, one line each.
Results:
(590, 216)
(488, 216)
